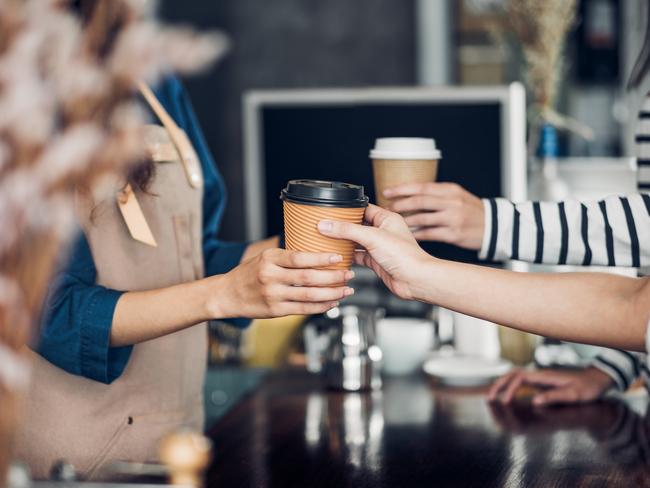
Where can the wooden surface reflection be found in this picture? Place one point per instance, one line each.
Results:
(293, 432)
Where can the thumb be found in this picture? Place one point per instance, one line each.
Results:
(361, 234)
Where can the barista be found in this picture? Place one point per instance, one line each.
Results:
(123, 349)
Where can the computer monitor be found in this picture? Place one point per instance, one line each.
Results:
(327, 135)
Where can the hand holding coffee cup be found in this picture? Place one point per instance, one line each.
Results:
(389, 248)
(279, 282)
(443, 212)
(402, 160)
(307, 202)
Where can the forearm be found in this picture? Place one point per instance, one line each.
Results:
(592, 308)
(144, 315)
(274, 283)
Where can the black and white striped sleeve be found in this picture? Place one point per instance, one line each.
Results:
(622, 366)
(642, 140)
(610, 232)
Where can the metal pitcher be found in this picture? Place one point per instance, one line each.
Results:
(341, 345)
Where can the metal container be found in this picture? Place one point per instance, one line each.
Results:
(342, 346)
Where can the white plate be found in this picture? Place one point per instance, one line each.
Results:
(466, 370)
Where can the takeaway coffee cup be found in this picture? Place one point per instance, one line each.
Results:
(307, 202)
(400, 160)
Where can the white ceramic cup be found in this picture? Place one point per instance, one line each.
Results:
(476, 337)
(405, 343)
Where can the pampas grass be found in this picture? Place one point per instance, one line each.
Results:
(68, 120)
(541, 28)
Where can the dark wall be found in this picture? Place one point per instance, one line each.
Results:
(290, 43)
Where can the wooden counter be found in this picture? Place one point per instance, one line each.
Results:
(293, 432)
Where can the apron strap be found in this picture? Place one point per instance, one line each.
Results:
(177, 135)
(134, 218)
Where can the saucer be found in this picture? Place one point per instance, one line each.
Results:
(465, 370)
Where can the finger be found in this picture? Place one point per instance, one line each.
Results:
(315, 277)
(557, 396)
(368, 262)
(418, 203)
(409, 189)
(511, 389)
(428, 219)
(374, 215)
(298, 259)
(361, 234)
(363, 258)
(314, 294)
(359, 256)
(500, 384)
(306, 308)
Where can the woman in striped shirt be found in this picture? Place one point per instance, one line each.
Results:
(611, 232)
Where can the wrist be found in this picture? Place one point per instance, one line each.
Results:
(425, 278)
(214, 300)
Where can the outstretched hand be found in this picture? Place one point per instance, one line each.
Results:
(389, 248)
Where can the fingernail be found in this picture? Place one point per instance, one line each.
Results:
(348, 292)
(336, 258)
(325, 225)
(349, 275)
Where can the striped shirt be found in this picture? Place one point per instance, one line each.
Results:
(642, 139)
(614, 231)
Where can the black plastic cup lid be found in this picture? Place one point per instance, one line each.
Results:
(324, 193)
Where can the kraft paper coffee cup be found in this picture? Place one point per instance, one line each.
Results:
(400, 160)
(307, 202)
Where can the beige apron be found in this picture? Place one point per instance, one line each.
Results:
(91, 424)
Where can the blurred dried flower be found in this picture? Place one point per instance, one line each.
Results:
(68, 120)
(541, 28)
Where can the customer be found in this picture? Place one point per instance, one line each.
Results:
(612, 231)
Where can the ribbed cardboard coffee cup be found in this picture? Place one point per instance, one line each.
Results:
(400, 160)
(307, 202)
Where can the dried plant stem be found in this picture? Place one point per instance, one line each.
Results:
(540, 29)
(67, 119)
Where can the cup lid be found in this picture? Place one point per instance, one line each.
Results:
(324, 193)
(405, 148)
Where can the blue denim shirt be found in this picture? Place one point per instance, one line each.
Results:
(78, 314)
